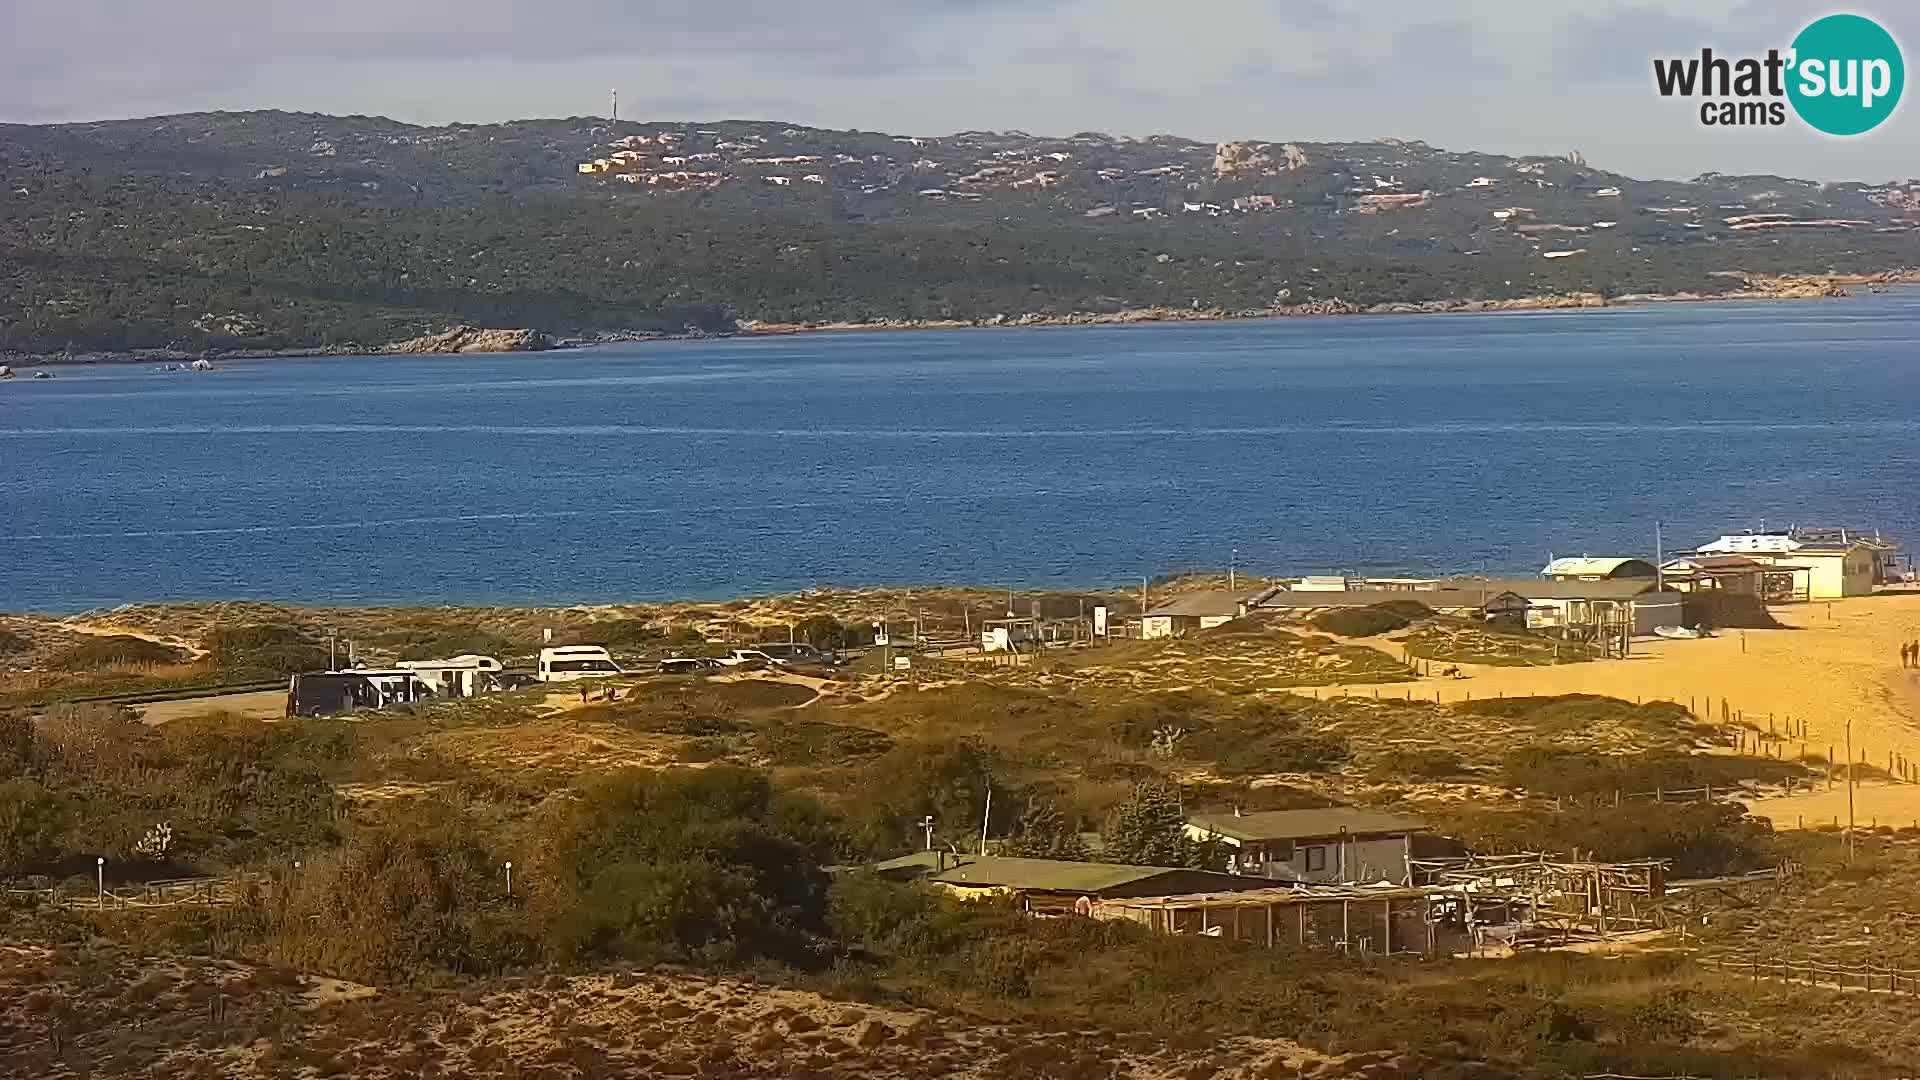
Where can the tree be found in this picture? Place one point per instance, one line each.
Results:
(947, 781)
(1045, 833)
(707, 863)
(16, 744)
(32, 820)
(1149, 830)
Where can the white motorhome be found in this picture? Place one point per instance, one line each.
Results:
(456, 676)
(565, 663)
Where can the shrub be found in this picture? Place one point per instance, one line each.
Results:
(1371, 620)
(1700, 839)
(623, 634)
(112, 652)
(459, 643)
(32, 820)
(1263, 737)
(702, 863)
(1419, 765)
(1551, 771)
(267, 650)
(13, 644)
(416, 893)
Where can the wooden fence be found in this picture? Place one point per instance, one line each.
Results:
(1868, 978)
(144, 896)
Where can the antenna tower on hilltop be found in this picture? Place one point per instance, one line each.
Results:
(613, 107)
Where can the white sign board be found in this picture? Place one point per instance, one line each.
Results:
(880, 636)
(902, 663)
(1100, 622)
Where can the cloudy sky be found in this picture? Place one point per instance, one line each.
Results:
(1511, 76)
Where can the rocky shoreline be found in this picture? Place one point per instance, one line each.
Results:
(477, 340)
(1755, 287)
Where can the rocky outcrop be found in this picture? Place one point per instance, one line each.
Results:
(474, 339)
(1243, 160)
(1238, 160)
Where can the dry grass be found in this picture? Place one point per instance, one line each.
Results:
(110, 1014)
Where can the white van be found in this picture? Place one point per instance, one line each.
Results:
(569, 662)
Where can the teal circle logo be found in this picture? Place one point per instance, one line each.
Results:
(1847, 74)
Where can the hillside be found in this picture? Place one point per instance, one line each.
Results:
(281, 230)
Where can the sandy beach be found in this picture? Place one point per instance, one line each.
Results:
(1835, 661)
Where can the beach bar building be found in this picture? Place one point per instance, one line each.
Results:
(1813, 563)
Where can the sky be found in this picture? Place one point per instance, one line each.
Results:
(1500, 76)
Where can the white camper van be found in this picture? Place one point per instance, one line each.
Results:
(456, 676)
(569, 662)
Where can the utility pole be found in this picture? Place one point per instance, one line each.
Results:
(1659, 557)
(333, 634)
(1233, 566)
(1143, 604)
(926, 823)
(1850, 772)
(985, 816)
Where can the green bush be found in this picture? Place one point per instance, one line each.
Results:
(13, 644)
(622, 634)
(1572, 773)
(1699, 839)
(268, 650)
(32, 821)
(1371, 620)
(459, 643)
(97, 654)
(1419, 765)
(707, 864)
(415, 894)
(1264, 736)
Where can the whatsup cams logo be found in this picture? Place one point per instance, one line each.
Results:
(1842, 75)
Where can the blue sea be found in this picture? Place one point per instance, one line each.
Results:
(1045, 457)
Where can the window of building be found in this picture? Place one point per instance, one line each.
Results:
(1316, 859)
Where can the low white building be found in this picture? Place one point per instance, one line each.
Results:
(1194, 612)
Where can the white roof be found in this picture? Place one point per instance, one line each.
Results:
(464, 660)
(1584, 565)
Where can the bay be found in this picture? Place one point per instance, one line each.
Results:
(1044, 457)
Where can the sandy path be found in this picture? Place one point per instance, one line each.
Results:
(111, 630)
(1840, 660)
(260, 705)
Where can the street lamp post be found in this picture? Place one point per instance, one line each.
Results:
(509, 869)
(926, 823)
(100, 879)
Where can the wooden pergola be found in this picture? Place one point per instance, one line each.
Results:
(1419, 919)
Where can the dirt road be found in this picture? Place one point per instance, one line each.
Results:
(261, 705)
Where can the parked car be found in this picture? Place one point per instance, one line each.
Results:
(751, 659)
(689, 665)
(799, 652)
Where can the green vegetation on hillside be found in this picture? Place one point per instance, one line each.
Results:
(238, 231)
